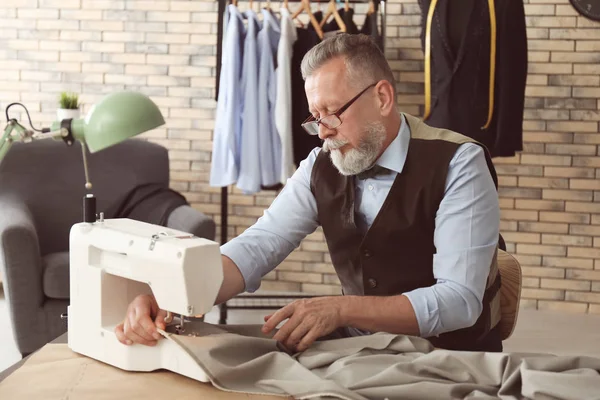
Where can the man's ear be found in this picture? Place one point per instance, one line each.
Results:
(387, 100)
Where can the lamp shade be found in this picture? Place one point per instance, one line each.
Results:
(116, 118)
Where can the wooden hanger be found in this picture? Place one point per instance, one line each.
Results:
(371, 9)
(347, 6)
(298, 12)
(305, 6)
(285, 4)
(332, 10)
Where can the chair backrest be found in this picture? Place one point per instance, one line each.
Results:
(48, 176)
(510, 292)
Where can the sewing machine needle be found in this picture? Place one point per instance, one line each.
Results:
(181, 324)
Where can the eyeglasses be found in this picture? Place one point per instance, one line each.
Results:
(332, 121)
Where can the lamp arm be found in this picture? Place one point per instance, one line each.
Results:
(6, 140)
(15, 132)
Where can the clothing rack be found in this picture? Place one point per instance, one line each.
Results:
(222, 4)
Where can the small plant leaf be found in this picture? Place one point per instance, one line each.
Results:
(69, 101)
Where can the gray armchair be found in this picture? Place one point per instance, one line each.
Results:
(41, 192)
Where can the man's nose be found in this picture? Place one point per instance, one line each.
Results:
(325, 132)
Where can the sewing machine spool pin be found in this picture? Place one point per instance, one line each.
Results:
(89, 208)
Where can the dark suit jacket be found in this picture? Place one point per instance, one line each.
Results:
(460, 71)
(303, 142)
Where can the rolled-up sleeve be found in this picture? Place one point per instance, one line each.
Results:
(466, 236)
(290, 218)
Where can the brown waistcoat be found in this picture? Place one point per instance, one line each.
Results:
(396, 254)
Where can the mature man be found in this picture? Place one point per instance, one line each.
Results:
(410, 214)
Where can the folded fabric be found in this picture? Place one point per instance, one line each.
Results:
(382, 366)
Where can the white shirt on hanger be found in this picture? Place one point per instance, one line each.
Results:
(249, 179)
(283, 103)
(269, 142)
(225, 156)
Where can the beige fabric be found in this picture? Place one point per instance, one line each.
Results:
(377, 366)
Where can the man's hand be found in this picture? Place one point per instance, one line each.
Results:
(142, 318)
(309, 319)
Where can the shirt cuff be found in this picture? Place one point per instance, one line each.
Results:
(443, 307)
(425, 308)
(244, 260)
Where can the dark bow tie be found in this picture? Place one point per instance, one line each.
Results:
(372, 172)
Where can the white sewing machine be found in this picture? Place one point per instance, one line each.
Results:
(114, 260)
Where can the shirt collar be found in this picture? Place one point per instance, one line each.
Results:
(394, 157)
(269, 19)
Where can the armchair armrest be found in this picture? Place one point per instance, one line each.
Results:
(20, 264)
(188, 219)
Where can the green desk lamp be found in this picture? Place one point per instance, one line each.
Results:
(114, 119)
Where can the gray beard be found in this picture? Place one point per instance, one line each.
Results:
(359, 159)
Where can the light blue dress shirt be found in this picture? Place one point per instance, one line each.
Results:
(465, 237)
(269, 142)
(225, 163)
(249, 179)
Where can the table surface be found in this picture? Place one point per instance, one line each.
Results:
(203, 391)
(4, 374)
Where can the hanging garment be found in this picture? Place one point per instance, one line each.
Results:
(249, 180)
(318, 16)
(302, 141)
(269, 142)
(347, 17)
(283, 103)
(225, 162)
(476, 70)
(221, 44)
(370, 27)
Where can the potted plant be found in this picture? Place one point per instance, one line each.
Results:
(68, 106)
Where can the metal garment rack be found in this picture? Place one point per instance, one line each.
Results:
(381, 8)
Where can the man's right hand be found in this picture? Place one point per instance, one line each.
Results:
(142, 319)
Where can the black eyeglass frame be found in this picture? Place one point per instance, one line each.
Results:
(311, 121)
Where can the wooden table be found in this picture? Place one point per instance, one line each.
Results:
(4, 374)
(186, 388)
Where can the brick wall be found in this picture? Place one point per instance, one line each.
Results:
(166, 49)
(549, 192)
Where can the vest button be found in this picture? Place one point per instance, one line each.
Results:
(367, 253)
(372, 283)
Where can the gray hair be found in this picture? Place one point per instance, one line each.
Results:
(365, 63)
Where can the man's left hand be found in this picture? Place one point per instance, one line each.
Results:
(309, 319)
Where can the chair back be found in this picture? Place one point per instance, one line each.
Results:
(510, 292)
(48, 177)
